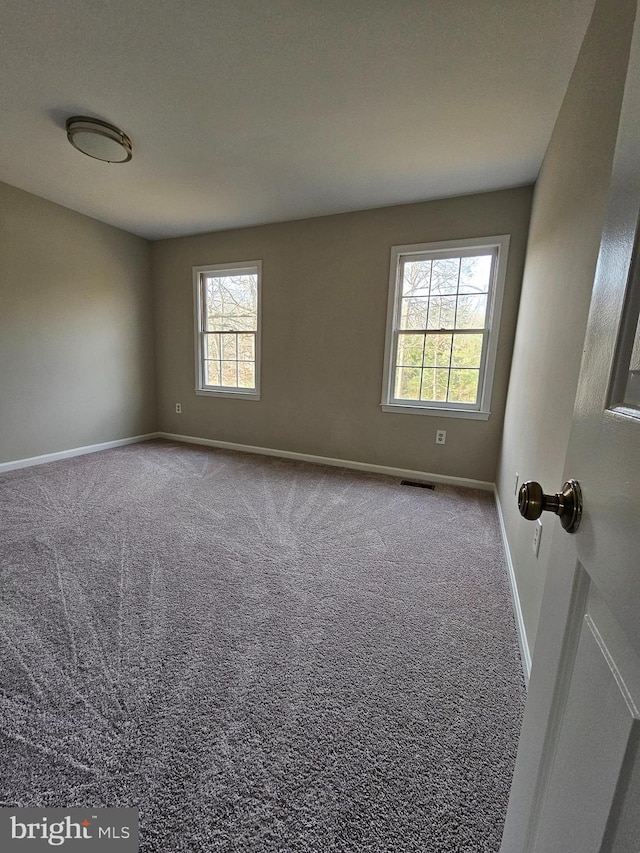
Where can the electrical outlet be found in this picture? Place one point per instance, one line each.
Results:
(537, 536)
(178, 408)
(515, 488)
(441, 436)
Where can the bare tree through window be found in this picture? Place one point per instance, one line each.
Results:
(441, 329)
(441, 344)
(229, 328)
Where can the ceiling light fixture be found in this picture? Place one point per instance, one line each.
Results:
(99, 139)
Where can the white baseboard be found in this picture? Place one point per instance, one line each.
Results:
(405, 473)
(522, 632)
(75, 451)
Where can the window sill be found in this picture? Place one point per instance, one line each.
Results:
(469, 414)
(237, 395)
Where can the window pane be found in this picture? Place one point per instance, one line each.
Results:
(416, 277)
(212, 346)
(442, 311)
(225, 322)
(231, 302)
(229, 346)
(246, 347)
(228, 304)
(407, 386)
(230, 374)
(410, 350)
(463, 386)
(246, 374)
(437, 351)
(471, 312)
(434, 384)
(475, 274)
(444, 278)
(414, 313)
(467, 350)
(212, 372)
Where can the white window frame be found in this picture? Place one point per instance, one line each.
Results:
(480, 410)
(199, 273)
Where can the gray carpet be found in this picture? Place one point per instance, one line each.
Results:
(261, 655)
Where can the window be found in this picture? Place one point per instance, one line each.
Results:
(227, 333)
(442, 326)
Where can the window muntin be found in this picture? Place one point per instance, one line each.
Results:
(228, 329)
(444, 304)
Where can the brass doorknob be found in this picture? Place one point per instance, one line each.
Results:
(567, 504)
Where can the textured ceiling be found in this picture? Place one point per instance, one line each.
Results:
(250, 111)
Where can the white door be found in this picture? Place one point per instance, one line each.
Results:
(576, 787)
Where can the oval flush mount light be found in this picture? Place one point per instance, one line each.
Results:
(99, 139)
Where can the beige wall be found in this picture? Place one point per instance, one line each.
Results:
(76, 333)
(566, 224)
(325, 284)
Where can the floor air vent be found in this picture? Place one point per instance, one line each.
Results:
(417, 484)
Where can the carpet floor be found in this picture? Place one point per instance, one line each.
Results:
(261, 655)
